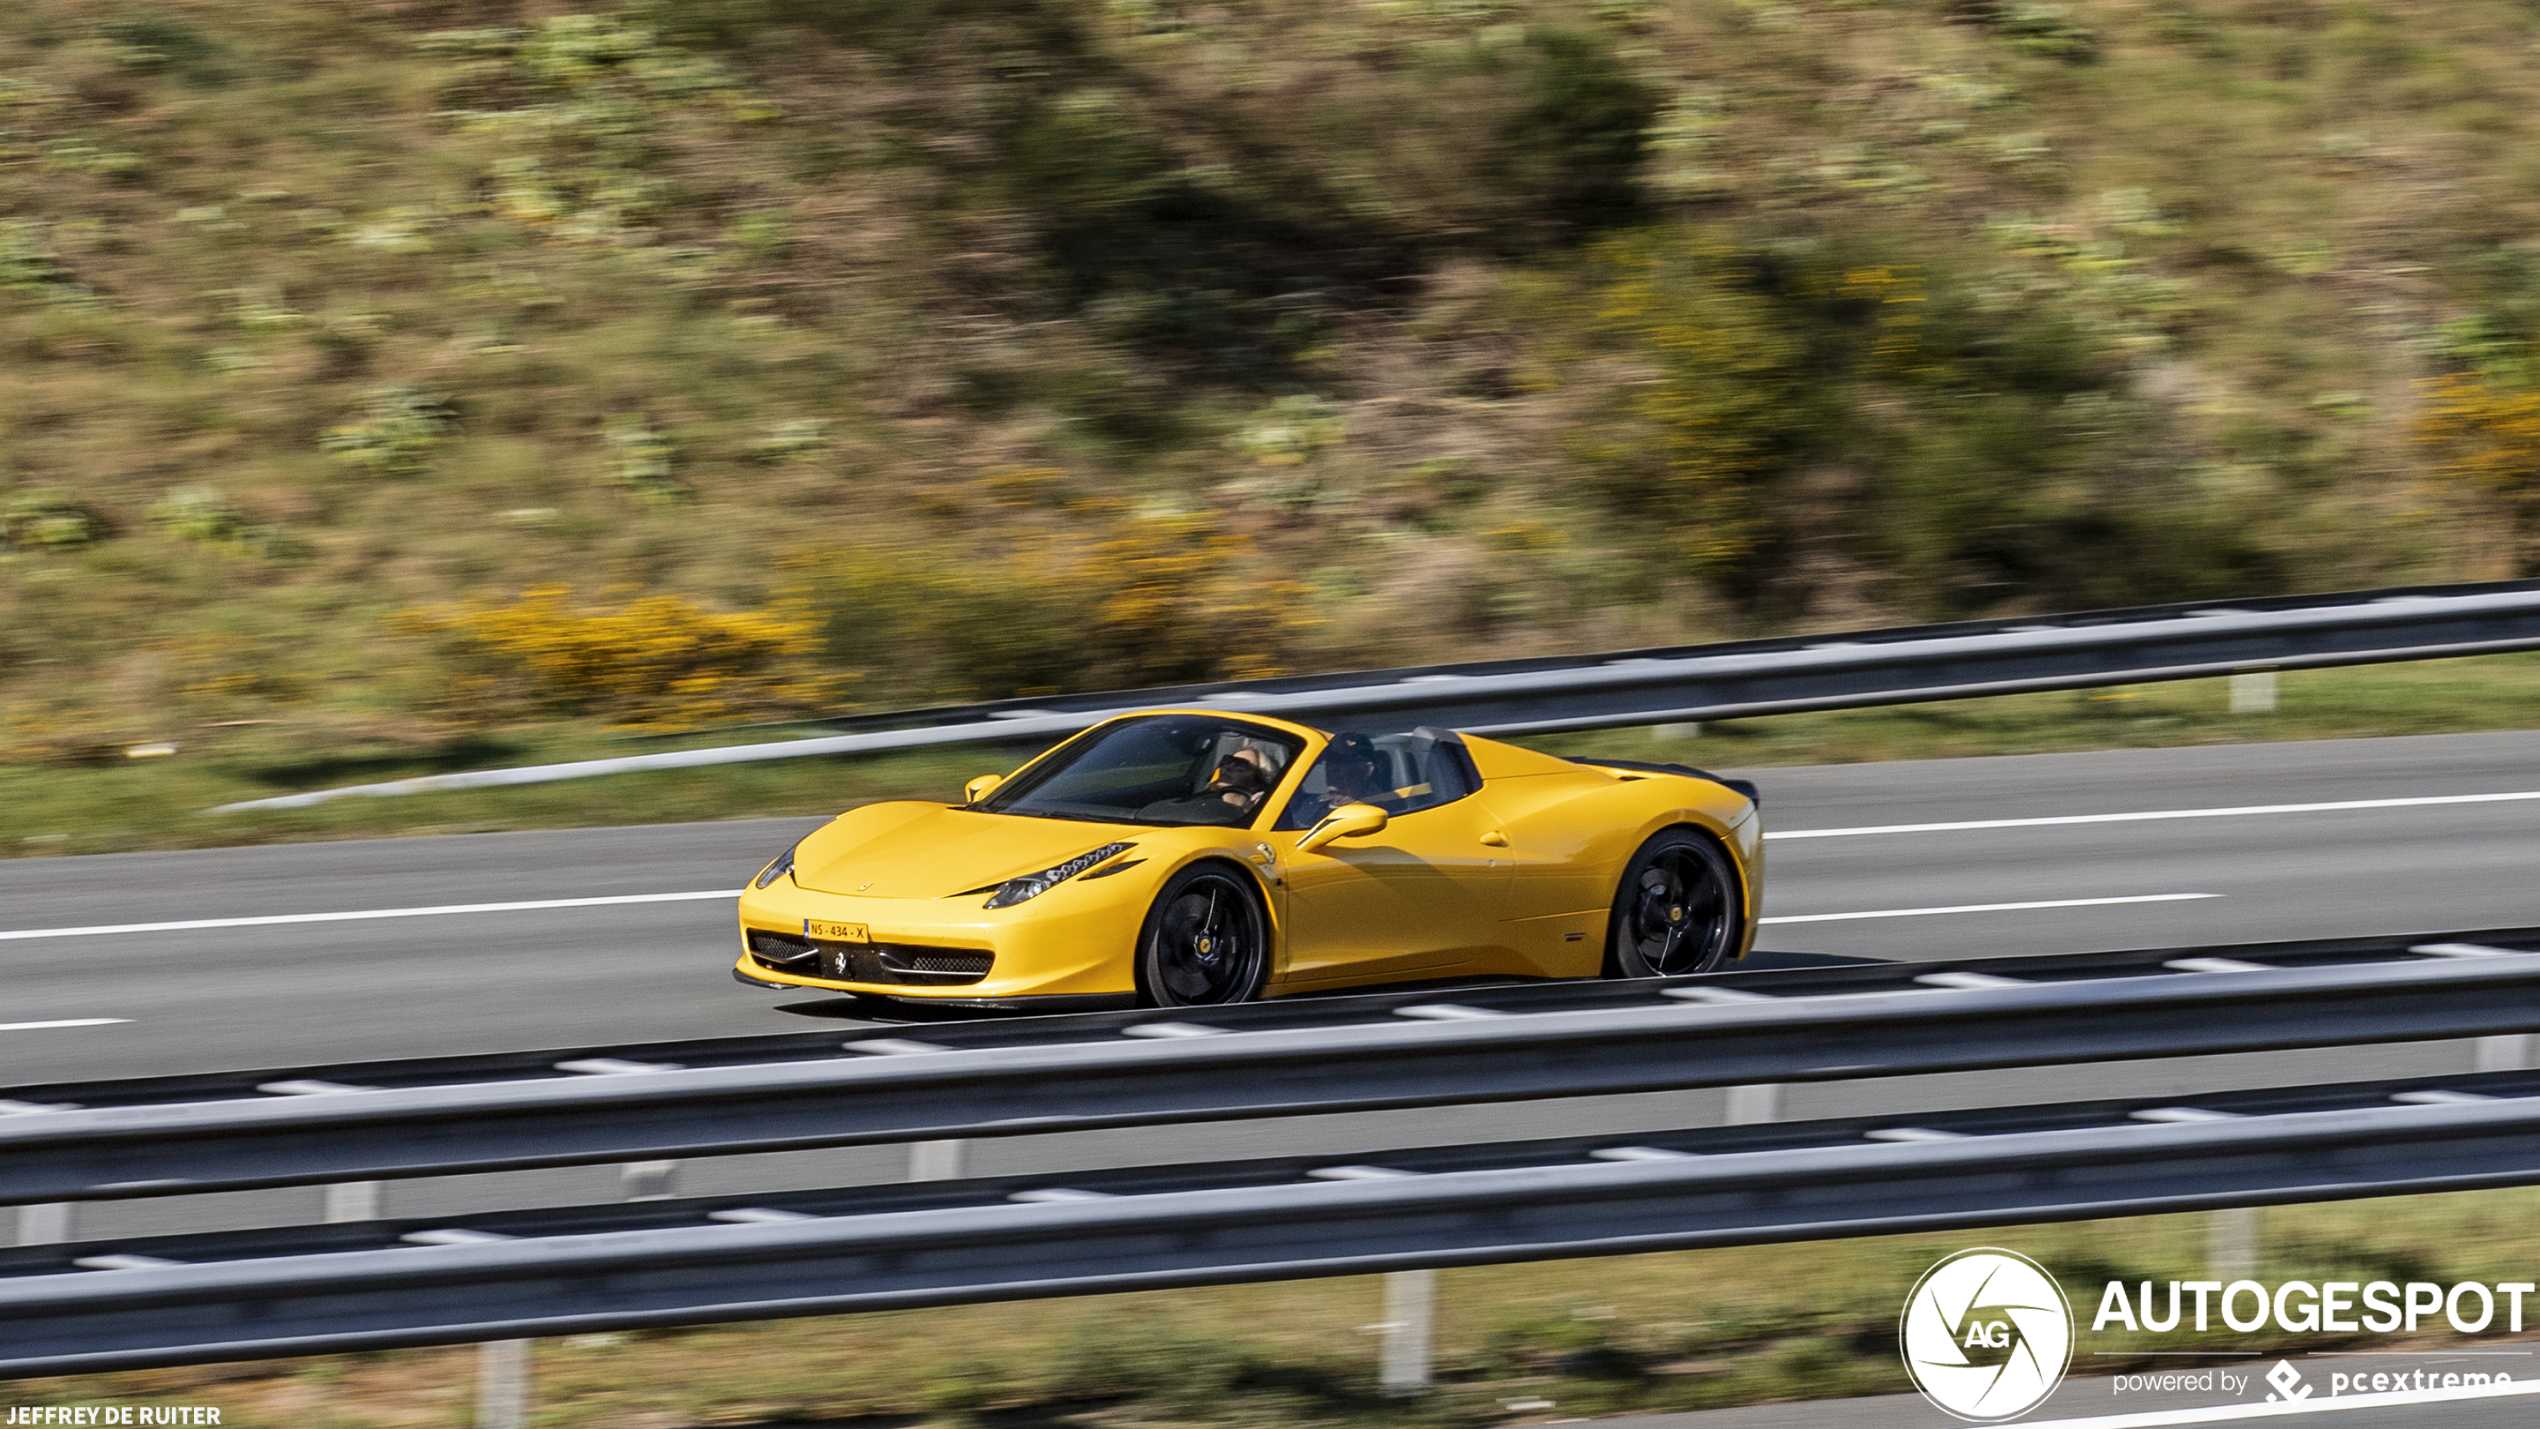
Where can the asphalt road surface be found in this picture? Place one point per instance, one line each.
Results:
(202, 999)
(415, 972)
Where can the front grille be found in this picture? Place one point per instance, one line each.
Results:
(968, 967)
(782, 950)
(896, 964)
(904, 964)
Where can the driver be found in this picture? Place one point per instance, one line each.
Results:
(1349, 774)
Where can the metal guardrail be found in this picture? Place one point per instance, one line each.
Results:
(1699, 1033)
(1699, 682)
(461, 1288)
(658, 1212)
(1768, 976)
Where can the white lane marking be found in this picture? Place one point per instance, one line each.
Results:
(64, 1022)
(196, 924)
(2243, 811)
(1988, 908)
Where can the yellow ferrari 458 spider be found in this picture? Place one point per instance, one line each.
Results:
(1188, 857)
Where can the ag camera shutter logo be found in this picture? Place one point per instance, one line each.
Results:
(1986, 1335)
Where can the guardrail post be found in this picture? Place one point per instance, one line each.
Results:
(1753, 1106)
(2508, 1052)
(649, 1180)
(2231, 1243)
(48, 1224)
(934, 1160)
(1411, 1298)
(502, 1366)
(2253, 693)
(502, 1384)
(352, 1201)
(1680, 729)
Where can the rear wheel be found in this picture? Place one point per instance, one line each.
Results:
(1678, 910)
(1206, 941)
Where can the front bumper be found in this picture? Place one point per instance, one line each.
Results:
(752, 974)
(1075, 941)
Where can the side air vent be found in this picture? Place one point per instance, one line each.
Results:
(783, 950)
(969, 966)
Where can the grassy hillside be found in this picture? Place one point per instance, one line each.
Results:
(390, 370)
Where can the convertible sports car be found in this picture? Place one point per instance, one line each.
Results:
(1186, 857)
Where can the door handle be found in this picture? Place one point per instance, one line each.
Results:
(1495, 839)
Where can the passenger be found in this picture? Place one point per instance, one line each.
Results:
(1240, 781)
(1234, 790)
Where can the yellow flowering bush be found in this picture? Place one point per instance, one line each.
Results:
(2486, 437)
(1179, 598)
(1123, 600)
(656, 660)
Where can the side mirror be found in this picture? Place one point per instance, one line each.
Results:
(980, 788)
(1349, 821)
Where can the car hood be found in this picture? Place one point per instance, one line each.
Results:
(909, 850)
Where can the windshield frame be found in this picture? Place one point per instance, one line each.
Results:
(1304, 746)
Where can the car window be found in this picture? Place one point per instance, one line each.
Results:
(1398, 773)
(1164, 769)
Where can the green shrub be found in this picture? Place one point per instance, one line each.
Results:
(199, 513)
(151, 42)
(790, 440)
(642, 460)
(2043, 29)
(1571, 150)
(30, 268)
(397, 434)
(46, 518)
(581, 102)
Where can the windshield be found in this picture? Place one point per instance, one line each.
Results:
(1164, 769)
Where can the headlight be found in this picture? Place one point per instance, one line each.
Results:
(1019, 890)
(783, 865)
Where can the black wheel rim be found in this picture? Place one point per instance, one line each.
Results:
(1207, 944)
(1680, 916)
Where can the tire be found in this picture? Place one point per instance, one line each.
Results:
(1206, 941)
(1679, 909)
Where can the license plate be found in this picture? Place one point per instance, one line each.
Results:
(835, 932)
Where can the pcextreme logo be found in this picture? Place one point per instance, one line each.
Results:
(1986, 1335)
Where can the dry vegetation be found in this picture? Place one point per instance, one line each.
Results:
(365, 367)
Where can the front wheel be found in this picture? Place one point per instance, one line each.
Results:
(1678, 910)
(1206, 941)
